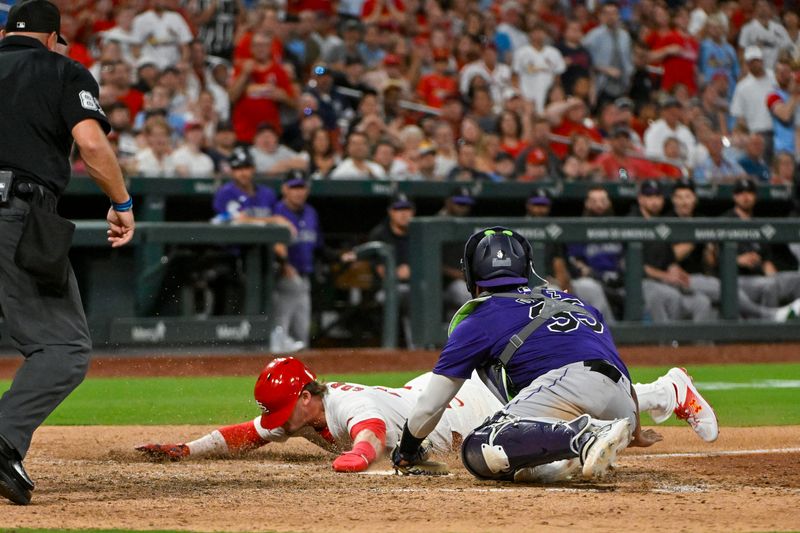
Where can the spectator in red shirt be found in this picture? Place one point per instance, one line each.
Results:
(674, 49)
(509, 127)
(433, 88)
(535, 166)
(570, 117)
(617, 163)
(118, 75)
(259, 86)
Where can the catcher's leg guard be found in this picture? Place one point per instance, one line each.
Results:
(505, 443)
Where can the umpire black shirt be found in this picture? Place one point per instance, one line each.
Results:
(43, 95)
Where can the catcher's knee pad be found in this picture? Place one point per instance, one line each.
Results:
(505, 443)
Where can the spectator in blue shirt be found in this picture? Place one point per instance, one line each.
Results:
(717, 55)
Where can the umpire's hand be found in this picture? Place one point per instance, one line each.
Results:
(120, 227)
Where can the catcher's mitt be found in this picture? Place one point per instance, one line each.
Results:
(417, 464)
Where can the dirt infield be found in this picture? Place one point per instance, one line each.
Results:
(91, 477)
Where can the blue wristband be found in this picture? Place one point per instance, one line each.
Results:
(127, 205)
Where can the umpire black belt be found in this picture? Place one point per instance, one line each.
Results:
(604, 367)
(26, 190)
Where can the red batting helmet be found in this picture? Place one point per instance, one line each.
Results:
(278, 388)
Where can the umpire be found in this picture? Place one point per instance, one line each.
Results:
(46, 102)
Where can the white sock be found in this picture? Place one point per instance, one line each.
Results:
(211, 444)
(657, 398)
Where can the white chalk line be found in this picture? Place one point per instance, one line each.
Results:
(720, 453)
(757, 384)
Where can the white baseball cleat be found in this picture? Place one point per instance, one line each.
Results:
(692, 407)
(599, 453)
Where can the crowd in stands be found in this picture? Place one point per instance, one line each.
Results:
(502, 90)
(687, 91)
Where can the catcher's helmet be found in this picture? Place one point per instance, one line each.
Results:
(278, 388)
(496, 256)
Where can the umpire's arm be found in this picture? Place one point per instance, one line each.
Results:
(102, 165)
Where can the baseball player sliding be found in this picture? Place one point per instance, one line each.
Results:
(357, 421)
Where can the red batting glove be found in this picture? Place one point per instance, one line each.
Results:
(357, 459)
(164, 452)
(350, 462)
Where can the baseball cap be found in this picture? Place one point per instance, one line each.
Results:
(426, 148)
(744, 185)
(650, 188)
(352, 25)
(240, 158)
(462, 196)
(391, 59)
(36, 16)
(192, 126)
(536, 157)
(753, 52)
(670, 101)
(295, 178)
(620, 130)
(684, 183)
(400, 200)
(624, 102)
(540, 197)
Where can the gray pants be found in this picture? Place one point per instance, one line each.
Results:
(665, 303)
(572, 390)
(292, 307)
(711, 287)
(592, 292)
(48, 329)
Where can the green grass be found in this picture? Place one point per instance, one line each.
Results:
(222, 400)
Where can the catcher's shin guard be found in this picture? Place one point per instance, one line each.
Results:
(505, 443)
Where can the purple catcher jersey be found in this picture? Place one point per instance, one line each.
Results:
(568, 337)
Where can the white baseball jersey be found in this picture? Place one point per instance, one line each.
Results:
(348, 404)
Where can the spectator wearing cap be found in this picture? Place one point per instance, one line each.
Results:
(536, 66)
(504, 168)
(154, 161)
(577, 59)
(749, 102)
(753, 161)
(435, 86)
(459, 203)
(669, 125)
(497, 75)
(394, 232)
(668, 295)
(222, 146)
(716, 167)
(147, 73)
(673, 49)
(270, 156)
(466, 164)
(596, 269)
(120, 120)
(766, 33)
(540, 140)
(189, 159)
(164, 34)
(357, 165)
(758, 275)
(783, 104)
(619, 163)
(610, 47)
(259, 87)
(535, 166)
(569, 118)
(699, 260)
(292, 296)
(717, 55)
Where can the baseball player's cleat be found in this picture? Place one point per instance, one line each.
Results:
(787, 312)
(692, 407)
(15, 484)
(600, 452)
(548, 473)
(164, 452)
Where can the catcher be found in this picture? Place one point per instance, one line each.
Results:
(551, 359)
(357, 420)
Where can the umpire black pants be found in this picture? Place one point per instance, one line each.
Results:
(49, 330)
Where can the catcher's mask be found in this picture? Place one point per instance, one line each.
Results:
(278, 388)
(497, 256)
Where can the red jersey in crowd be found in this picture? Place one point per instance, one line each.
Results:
(566, 129)
(638, 169)
(677, 68)
(242, 50)
(434, 88)
(134, 100)
(256, 107)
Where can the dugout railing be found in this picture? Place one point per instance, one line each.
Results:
(428, 234)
